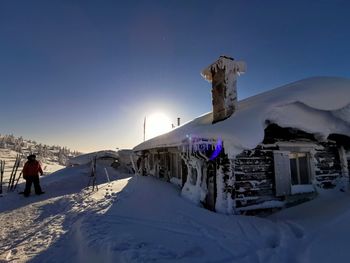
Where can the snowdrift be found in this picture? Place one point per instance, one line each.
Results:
(86, 158)
(143, 219)
(318, 105)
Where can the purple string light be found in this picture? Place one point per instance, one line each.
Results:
(218, 148)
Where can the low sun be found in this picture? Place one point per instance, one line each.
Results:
(157, 124)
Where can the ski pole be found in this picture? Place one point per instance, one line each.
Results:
(2, 168)
(13, 169)
(19, 177)
(14, 175)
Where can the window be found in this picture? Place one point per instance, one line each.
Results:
(293, 167)
(299, 168)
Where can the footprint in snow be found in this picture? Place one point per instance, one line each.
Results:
(296, 229)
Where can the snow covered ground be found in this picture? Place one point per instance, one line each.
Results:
(143, 219)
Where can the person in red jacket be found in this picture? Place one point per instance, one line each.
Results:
(31, 171)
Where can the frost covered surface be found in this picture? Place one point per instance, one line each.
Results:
(86, 158)
(221, 196)
(193, 190)
(318, 105)
(232, 67)
(176, 181)
(142, 219)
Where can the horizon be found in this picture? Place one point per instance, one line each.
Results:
(85, 75)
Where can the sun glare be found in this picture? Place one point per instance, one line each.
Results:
(157, 124)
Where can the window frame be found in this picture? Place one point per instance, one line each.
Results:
(302, 147)
(284, 185)
(299, 155)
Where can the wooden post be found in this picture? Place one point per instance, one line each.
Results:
(344, 167)
(144, 129)
(2, 168)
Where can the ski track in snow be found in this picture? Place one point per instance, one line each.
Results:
(31, 229)
(48, 220)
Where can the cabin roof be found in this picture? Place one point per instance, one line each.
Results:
(318, 105)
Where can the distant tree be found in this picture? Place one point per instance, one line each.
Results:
(3, 144)
(45, 152)
(18, 147)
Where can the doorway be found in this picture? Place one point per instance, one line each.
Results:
(211, 184)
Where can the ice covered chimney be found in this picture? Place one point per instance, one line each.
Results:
(223, 75)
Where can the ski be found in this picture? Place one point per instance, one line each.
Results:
(19, 177)
(2, 169)
(15, 172)
(10, 179)
(92, 180)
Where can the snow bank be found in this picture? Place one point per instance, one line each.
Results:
(50, 167)
(86, 158)
(318, 105)
(302, 189)
(324, 222)
(176, 181)
(142, 219)
(125, 155)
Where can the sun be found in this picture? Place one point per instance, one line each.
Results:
(156, 124)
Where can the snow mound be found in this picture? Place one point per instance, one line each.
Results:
(143, 219)
(318, 105)
(86, 158)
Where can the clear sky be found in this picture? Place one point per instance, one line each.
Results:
(84, 74)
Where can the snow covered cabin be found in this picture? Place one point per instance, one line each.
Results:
(263, 152)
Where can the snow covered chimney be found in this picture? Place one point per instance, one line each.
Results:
(223, 76)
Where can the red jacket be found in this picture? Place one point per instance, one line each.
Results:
(32, 168)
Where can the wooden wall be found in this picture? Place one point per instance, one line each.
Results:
(253, 170)
(327, 165)
(254, 177)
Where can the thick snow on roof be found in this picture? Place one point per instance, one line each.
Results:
(86, 158)
(318, 105)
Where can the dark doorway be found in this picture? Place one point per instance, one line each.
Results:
(211, 184)
(184, 172)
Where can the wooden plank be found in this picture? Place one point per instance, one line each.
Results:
(282, 173)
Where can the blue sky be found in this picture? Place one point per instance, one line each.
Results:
(85, 73)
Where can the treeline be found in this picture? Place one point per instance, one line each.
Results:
(44, 152)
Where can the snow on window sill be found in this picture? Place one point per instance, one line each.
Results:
(302, 189)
